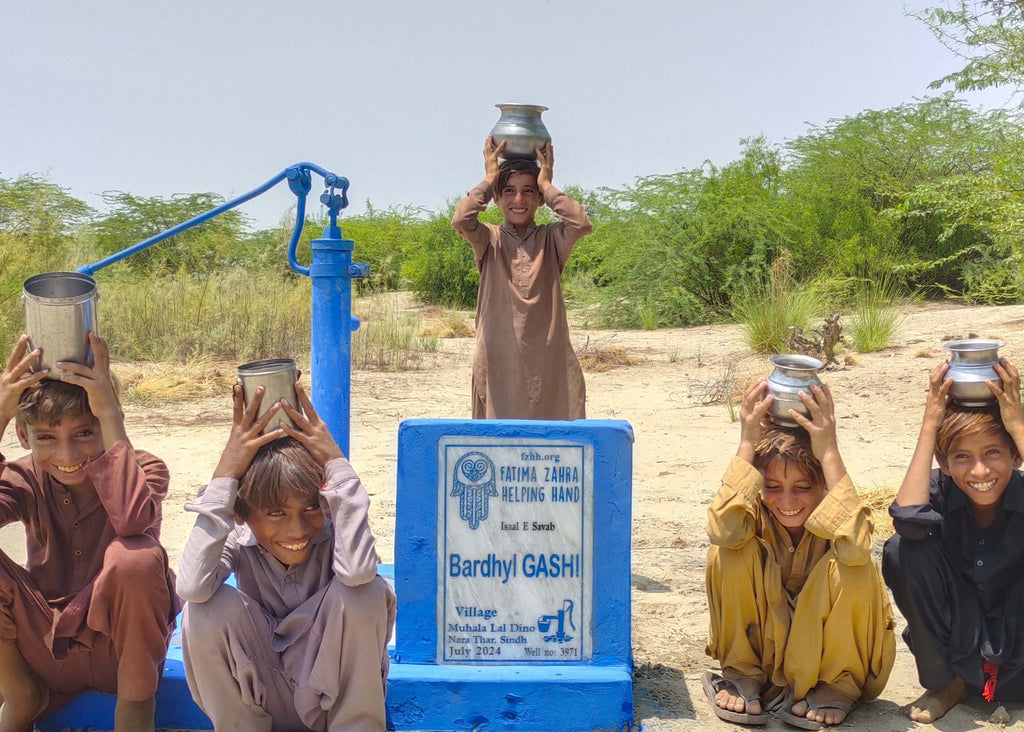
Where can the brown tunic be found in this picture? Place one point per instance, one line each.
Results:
(96, 578)
(524, 366)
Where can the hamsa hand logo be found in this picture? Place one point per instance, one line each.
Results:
(473, 483)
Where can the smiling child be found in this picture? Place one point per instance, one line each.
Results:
(956, 564)
(524, 366)
(791, 549)
(94, 606)
(301, 643)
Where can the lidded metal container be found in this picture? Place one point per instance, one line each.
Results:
(60, 310)
(793, 373)
(971, 363)
(521, 129)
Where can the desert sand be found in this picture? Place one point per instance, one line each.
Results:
(682, 445)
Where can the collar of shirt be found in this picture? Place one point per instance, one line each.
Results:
(1013, 497)
(509, 229)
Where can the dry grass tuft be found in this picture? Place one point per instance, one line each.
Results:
(153, 382)
(597, 358)
(387, 339)
(878, 499)
(438, 323)
(725, 388)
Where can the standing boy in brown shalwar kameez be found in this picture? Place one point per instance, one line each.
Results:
(524, 366)
(94, 606)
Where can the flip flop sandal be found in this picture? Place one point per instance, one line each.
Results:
(786, 715)
(714, 683)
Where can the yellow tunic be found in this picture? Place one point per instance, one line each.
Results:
(826, 590)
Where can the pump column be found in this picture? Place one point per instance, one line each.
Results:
(331, 271)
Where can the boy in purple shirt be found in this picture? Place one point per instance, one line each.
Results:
(302, 642)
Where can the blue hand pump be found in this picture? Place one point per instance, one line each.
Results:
(331, 271)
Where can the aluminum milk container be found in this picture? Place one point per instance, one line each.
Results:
(277, 376)
(60, 310)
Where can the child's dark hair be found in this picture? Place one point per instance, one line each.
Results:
(50, 401)
(508, 168)
(281, 469)
(792, 445)
(959, 422)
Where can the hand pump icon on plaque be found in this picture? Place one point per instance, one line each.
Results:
(560, 618)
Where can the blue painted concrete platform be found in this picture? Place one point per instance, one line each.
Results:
(93, 710)
(427, 692)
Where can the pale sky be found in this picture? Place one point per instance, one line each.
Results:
(157, 98)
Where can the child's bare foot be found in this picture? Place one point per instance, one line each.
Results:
(932, 705)
(823, 705)
(728, 699)
(132, 716)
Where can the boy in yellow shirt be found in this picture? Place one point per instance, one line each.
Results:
(791, 549)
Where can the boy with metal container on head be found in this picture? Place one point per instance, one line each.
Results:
(800, 621)
(524, 366)
(94, 606)
(301, 643)
(956, 563)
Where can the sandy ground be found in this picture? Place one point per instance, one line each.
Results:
(682, 446)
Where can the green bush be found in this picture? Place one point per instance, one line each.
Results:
(773, 306)
(876, 312)
(439, 264)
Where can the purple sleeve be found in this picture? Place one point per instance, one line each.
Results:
(355, 549)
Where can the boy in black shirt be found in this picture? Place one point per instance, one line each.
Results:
(956, 564)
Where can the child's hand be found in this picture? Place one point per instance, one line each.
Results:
(752, 413)
(821, 425)
(99, 387)
(1008, 398)
(491, 154)
(546, 159)
(938, 396)
(17, 377)
(245, 438)
(310, 429)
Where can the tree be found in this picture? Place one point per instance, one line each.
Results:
(874, 191)
(199, 249)
(34, 208)
(676, 249)
(988, 35)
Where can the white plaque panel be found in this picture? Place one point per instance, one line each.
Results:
(514, 571)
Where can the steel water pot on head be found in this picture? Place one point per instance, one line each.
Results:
(521, 129)
(277, 376)
(971, 362)
(793, 373)
(60, 310)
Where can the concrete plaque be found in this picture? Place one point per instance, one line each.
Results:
(515, 520)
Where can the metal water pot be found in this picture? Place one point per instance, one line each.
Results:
(971, 363)
(277, 376)
(793, 373)
(60, 310)
(521, 129)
